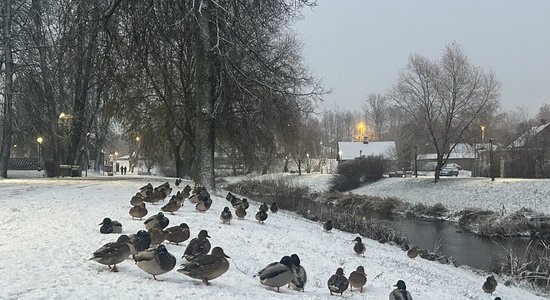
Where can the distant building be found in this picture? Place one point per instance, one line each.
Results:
(352, 150)
(528, 156)
(463, 154)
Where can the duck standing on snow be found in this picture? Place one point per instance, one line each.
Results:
(139, 241)
(229, 196)
(413, 252)
(198, 246)
(158, 222)
(110, 226)
(277, 274)
(113, 253)
(207, 267)
(165, 189)
(204, 204)
(300, 275)
(274, 208)
(186, 191)
(157, 236)
(240, 212)
(172, 206)
(338, 283)
(244, 203)
(226, 215)
(155, 261)
(357, 279)
(400, 293)
(359, 247)
(264, 207)
(178, 182)
(137, 199)
(327, 226)
(261, 216)
(138, 211)
(177, 234)
(489, 285)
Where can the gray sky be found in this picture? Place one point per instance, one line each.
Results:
(359, 47)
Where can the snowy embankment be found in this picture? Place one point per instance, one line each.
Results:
(455, 193)
(50, 229)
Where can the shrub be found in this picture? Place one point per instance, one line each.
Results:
(51, 168)
(350, 174)
(438, 210)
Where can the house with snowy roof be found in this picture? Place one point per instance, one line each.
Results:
(462, 154)
(353, 150)
(528, 156)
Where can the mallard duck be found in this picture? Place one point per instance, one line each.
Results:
(178, 182)
(489, 285)
(413, 252)
(155, 261)
(226, 215)
(165, 189)
(198, 246)
(177, 234)
(172, 206)
(327, 226)
(138, 211)
(240, 212)
(338, 283)
(400, 292)
(244, 203)
(157, 236)
(110, 226)
(359, 247)
(229, 196)
(236, 202)
(277, 274)
(155, 196)
(204, 204)
(137, 199)
(149, 186)
(261, 216)
(139, 241)
(113, 253)
(274, 208)
(158, 221)
(187, 190)
(207, 267)
(300, 275)
(264, 207)
(357, 279)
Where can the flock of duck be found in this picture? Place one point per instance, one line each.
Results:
(145, 247)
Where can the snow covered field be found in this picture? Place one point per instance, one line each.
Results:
(455, 193)
(50, 229)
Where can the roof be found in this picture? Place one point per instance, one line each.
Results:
(351, 150)
(527, 135)
(461, 151)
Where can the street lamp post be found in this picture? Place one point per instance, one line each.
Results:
(87, 153)
(415, 161)
(115, 162)
(491, 173)
(138, 139)
(39, 140)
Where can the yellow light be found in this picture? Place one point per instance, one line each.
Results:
(62, 115)
(116, 153)
(138, 138)
(40, 140)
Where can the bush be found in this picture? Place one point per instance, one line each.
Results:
(350, 174)
(51, 168)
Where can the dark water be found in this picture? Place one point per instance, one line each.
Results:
(466, 248)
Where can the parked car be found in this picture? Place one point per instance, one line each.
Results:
(453, 165)
(449, 171)
(429, 166)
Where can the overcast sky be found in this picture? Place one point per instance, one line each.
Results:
(359, 47)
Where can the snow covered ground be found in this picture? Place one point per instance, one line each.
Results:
(455, 193)
(49, 229)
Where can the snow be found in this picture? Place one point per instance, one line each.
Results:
(50, 229)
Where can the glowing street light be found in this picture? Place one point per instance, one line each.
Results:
(482, 129)
(138, 138)
(40, 140)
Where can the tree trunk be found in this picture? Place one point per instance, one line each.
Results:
(7, 122)
(204, 173)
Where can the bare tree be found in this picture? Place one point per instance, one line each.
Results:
(444, 97)
(7, 112)
(376, 113)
